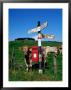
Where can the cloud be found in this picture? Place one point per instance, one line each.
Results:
(35, 37)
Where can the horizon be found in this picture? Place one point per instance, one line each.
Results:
(36, 40)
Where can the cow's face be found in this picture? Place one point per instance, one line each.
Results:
(25, 48)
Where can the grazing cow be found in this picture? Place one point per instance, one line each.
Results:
(45, 50)
(27, 55)
(48, 49)
(56, 51)
(60, 49)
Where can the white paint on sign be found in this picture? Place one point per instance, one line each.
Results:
(35, 55)
(39, 28)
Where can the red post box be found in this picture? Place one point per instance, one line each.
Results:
(35, 55)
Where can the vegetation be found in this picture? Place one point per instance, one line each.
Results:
(17, 68)
(25, 39)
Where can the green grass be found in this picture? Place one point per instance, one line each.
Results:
(17, 68)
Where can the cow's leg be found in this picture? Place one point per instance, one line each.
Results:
(26, 62)
(30, 65)
(60, 51)
(30, 62)
(46, 51)
(45, 59)
(27, 66)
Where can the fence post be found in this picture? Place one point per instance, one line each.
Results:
(13, 58)
(55, 65)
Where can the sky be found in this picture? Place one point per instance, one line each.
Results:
(22, 20)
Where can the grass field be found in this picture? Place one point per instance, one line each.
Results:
(17, 69)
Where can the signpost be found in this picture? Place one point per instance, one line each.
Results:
(40, 36)
(39, 47)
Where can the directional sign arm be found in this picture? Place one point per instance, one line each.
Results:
(32, 30)
(49, 36)
(39, 28)
(43, 25)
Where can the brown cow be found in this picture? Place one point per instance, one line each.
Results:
(27, 54)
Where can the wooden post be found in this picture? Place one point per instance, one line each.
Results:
(55, 65)
(39, 49)
(12, 60)
(40, 60)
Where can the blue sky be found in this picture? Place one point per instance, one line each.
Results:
(21, 20)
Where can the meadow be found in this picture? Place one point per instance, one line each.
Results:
(17, 68)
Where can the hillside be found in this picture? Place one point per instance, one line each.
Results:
(33, 43)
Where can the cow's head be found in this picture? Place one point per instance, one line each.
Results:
(25, 48)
